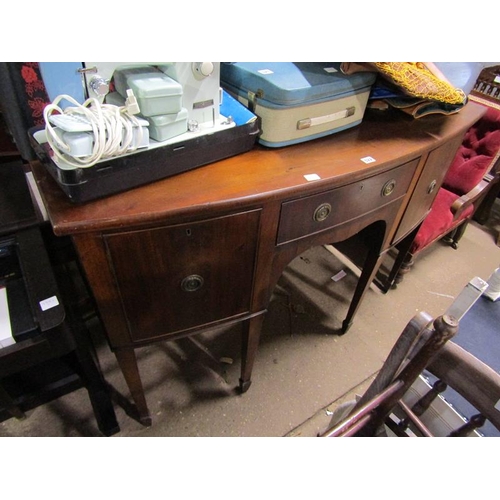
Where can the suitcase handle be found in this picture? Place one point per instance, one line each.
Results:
(320, 120)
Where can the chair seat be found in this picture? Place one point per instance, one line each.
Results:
(440, 220)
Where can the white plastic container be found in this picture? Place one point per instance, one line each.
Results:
(156, 93)
(164, 127)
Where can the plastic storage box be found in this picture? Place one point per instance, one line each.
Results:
(156, 93)
(161, 127)
(164, 127)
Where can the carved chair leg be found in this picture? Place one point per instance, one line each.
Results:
(448, 238)
(405, 267)
(453, 237)
(401, 260)
(459, 232)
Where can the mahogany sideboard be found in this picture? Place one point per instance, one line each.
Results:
(206, 248)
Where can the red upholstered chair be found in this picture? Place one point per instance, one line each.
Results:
(473, 172)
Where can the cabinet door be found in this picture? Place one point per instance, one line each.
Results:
(175, 278)
(431, 178)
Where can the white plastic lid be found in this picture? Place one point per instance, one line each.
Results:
(154, 85)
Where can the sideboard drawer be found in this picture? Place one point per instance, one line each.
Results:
(306, 216)
(170, 279)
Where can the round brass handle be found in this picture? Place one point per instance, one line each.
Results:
(431, 187)
(192, 283)
(388, 187)
(322, 212)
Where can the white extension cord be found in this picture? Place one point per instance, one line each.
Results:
(112, 128)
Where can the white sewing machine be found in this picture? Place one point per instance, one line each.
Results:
(200, 82)
(205, 124)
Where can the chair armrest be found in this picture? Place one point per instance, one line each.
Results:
(474, 380)
(475, 194)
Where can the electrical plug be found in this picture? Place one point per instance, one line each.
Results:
(131, 103)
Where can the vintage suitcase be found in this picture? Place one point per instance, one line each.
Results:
(297, 101)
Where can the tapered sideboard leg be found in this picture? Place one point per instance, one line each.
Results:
(128, 365)
(249, 347)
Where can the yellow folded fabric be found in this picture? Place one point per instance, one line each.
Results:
(415, 79)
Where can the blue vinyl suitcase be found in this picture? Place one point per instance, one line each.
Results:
(297, 102)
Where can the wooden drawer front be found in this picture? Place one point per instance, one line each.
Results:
(174, 278)
(306, 216)
(433, 174)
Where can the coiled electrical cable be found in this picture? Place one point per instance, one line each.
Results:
(112, 127)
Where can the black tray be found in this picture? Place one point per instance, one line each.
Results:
(120, 174)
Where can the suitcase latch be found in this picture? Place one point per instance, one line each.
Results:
(252, 99)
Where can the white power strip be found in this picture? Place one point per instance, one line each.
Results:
(69, 122)
(81, 144)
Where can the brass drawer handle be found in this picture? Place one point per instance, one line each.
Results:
(192, 283)
(388, 187)
(431, 187)
(322, 212)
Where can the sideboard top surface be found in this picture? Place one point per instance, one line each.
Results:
(262, 174)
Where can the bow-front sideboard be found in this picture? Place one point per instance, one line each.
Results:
(206, 248)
